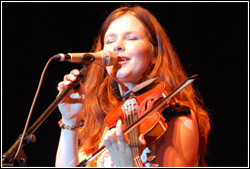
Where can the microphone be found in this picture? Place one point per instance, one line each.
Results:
(103, 58)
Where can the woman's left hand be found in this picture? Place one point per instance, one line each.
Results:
(118, 146)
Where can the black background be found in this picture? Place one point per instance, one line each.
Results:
(210, 38)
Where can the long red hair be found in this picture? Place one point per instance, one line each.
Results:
(102, 93)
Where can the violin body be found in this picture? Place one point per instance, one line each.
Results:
(154, 126)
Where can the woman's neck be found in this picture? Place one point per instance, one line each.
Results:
(124, 87)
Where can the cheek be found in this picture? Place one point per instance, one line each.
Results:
(107, 48)
(143, 53)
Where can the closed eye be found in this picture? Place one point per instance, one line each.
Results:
(109, 41)
(131, 37)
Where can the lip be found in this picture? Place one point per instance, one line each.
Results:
(122, 59)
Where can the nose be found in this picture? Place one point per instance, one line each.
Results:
(118, 49)
(119, 46)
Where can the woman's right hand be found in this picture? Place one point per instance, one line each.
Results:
(72, 105)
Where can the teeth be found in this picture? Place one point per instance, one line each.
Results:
(122, 59)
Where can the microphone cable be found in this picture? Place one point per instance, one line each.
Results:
(32, 106)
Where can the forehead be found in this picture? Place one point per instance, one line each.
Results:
(125, 23)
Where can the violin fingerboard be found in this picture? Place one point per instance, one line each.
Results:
(129, 109)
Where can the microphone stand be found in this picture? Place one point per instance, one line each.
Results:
(7, 158)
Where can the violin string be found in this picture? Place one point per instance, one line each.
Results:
(128, 119)
(132, 140)
(132, 116)
(137, 136)
(134, 132)
(137, 139)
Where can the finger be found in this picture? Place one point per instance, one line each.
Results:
(119, 133)
(111, 136)
(75, 72)
(67, 83)
(122, 143)
(69, 77)
(60, 86)
(106, 142)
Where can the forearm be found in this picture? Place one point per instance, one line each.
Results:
(67, 152)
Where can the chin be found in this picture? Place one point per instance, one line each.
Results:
(128, 80)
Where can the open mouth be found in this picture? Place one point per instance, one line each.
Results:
(122, 59)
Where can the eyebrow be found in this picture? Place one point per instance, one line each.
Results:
(112, 34)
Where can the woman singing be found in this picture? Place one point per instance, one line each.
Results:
(145, 52)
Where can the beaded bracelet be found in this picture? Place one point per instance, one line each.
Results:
(63, 126)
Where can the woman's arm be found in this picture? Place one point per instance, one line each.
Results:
(70, 108)
(67, 152)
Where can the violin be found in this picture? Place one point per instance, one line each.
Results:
(133, 108)
(141, 115)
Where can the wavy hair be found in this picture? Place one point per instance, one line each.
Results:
(102, 93)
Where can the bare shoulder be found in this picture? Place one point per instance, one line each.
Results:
(180, 143)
